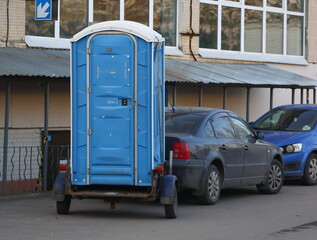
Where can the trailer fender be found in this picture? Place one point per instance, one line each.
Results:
(58, 191)
(168, 183)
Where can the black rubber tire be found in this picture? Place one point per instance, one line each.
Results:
(212, 186)
(63, 207)
(171, 209)
(275, 179)
(310, 172)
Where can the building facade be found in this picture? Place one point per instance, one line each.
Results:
(280, 33)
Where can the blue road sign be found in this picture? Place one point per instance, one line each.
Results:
(43, 9)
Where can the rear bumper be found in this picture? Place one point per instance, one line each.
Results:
(189, 173)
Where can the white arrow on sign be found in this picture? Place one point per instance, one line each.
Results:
(41, 11)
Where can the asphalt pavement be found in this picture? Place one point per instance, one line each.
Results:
(240, 214)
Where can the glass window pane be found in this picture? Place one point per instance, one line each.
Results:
(181, 122)
(44, 28)
(274, 3)
(233, 0)
(209, 130)
(106, 10)
(208, 26)
(137, 11)
(73, 14)
(274, 33)
(294, 35)
(230, 32)
(243, 130)
(223, 128)
(165, 12)
(253, 31)
(295, 5)
(258, 3)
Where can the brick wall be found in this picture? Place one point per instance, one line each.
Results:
(312, 31)
(16, 23)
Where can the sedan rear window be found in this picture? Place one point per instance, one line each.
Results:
(295, 120)
(181, 123)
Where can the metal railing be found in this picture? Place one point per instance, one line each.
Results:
(25, 171)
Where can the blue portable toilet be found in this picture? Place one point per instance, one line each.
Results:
(117, 104)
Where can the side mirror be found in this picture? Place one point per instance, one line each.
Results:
(260, 135)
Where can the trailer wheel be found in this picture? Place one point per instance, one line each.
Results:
(63, 206)
(171, 209)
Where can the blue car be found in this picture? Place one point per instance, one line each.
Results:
(293, 128)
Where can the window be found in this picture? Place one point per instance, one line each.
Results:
(208, 26)
(39, 28)
(223, 127)
(137, 11)
(106, 10)
(181, 122)
(253, 30)
(209, 130)
(71, 16)
(243, 130)
(293, 120)
(271, 28)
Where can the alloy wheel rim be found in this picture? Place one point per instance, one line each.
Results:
(213, 185)
(275, 177)
(313, 169)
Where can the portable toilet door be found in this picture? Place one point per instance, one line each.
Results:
(112, 103)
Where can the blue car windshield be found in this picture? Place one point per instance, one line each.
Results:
(293, 120)
(181, 122)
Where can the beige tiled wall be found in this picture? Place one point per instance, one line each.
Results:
(27, 105)
(16, 23)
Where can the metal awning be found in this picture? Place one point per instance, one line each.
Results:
(32, 62)
(179, 72)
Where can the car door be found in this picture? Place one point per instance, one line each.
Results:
(230, 148)
(255, 152)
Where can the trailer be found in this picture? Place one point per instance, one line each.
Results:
(117, 119)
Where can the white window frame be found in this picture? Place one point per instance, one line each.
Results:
(249, 56)
(64, 43)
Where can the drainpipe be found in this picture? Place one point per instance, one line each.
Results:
(225, 98)
(293, 95)
(201, 93)
(248, 105)
(271, 98)
(8, 24)
(45, 163)
(6, 137)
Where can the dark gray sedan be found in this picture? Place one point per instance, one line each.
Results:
(215, 149)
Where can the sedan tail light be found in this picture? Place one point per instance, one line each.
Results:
(181, 150)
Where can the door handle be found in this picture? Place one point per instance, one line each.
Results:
(245, 148)
(223, 147)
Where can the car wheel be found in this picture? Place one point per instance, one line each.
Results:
(212, 186)
(63, 206)
(171, 209)
(275, 179)
(310, 173)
